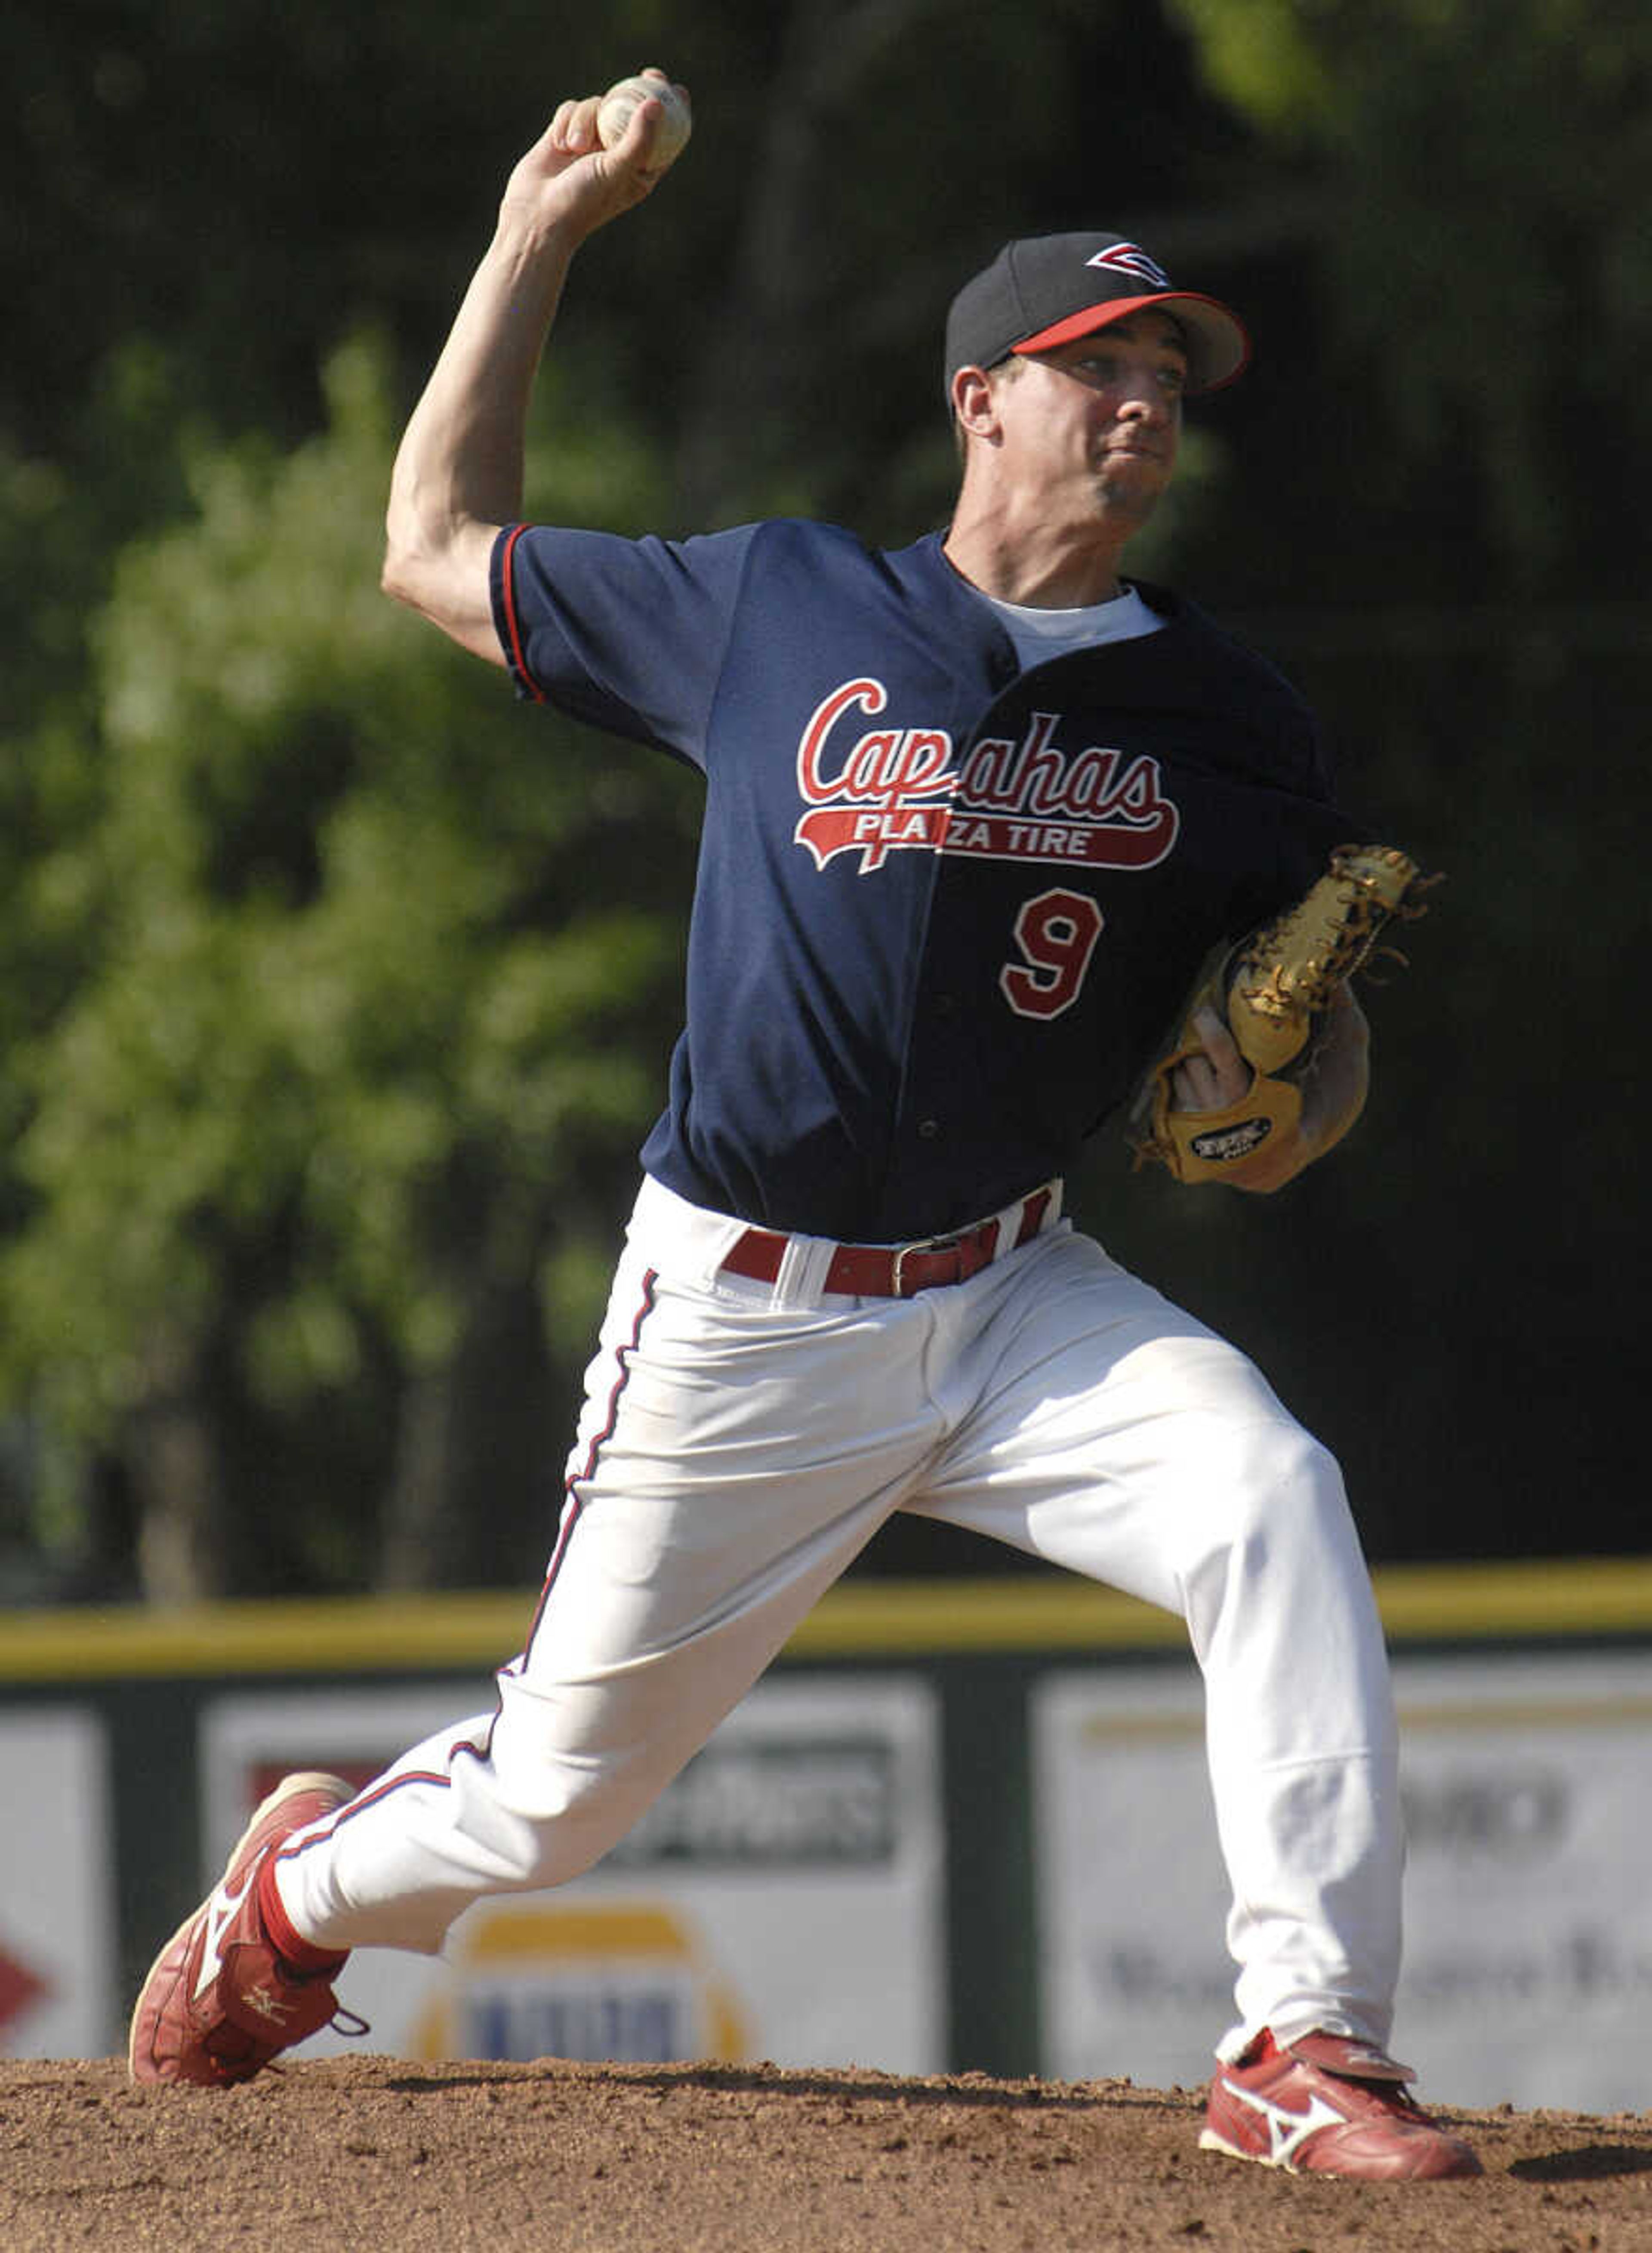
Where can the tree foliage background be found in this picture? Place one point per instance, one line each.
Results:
(338, 989)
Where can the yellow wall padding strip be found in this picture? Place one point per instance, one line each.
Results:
(887, 1620)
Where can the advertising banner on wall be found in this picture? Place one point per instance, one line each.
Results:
(57, 1951)
(782, 1900)
(1528, 1975)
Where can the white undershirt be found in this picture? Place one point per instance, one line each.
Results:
(1039, 635)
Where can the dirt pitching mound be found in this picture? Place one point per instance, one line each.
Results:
(374, 2152)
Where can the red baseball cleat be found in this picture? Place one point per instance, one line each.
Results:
(218, 2002)
(1327, 2105)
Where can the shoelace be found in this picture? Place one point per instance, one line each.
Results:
(349, 2025)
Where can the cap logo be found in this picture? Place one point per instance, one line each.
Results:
(1130, 258)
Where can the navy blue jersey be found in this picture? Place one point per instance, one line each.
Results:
(946, 909)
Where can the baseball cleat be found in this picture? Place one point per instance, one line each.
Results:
(1327, 2105)
(218, 2002)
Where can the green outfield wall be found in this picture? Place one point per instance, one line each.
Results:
(979, 1653)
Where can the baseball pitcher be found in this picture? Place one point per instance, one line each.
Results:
(999, 844)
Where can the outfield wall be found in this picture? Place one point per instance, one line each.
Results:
(960, 1824)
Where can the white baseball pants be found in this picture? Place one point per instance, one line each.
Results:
(740, 1443)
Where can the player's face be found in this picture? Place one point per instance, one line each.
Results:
(1096, 422)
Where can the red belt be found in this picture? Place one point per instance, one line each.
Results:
(892, 1271)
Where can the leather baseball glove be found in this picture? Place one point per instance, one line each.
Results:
(1272, 989)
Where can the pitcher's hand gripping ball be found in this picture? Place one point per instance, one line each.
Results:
(671, 136)
(1273, 989)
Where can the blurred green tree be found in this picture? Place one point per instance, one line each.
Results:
(1481, 177)
(374, 987)
(335, 998)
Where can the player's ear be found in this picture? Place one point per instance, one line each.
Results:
(975, 404)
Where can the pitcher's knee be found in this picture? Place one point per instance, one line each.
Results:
(1286, 1494)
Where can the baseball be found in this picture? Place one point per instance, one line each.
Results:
(615, 115)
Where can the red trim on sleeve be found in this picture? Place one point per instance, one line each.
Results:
(507, 589)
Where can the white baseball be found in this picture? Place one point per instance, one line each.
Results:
(671, 135)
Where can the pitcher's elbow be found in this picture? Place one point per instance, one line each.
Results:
(392, 576)
(404, 574)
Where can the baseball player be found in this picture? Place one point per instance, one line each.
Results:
(976, 810)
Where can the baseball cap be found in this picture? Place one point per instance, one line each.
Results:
(1045, 289)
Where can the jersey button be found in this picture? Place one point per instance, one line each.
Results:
(928, 1129)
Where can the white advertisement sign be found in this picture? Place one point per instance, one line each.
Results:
(57, 1950)
(1528, 1975)
(782, 1900)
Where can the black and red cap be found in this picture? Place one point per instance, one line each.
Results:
(1045, 289)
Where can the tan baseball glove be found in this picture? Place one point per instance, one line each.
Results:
(1272, 990)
